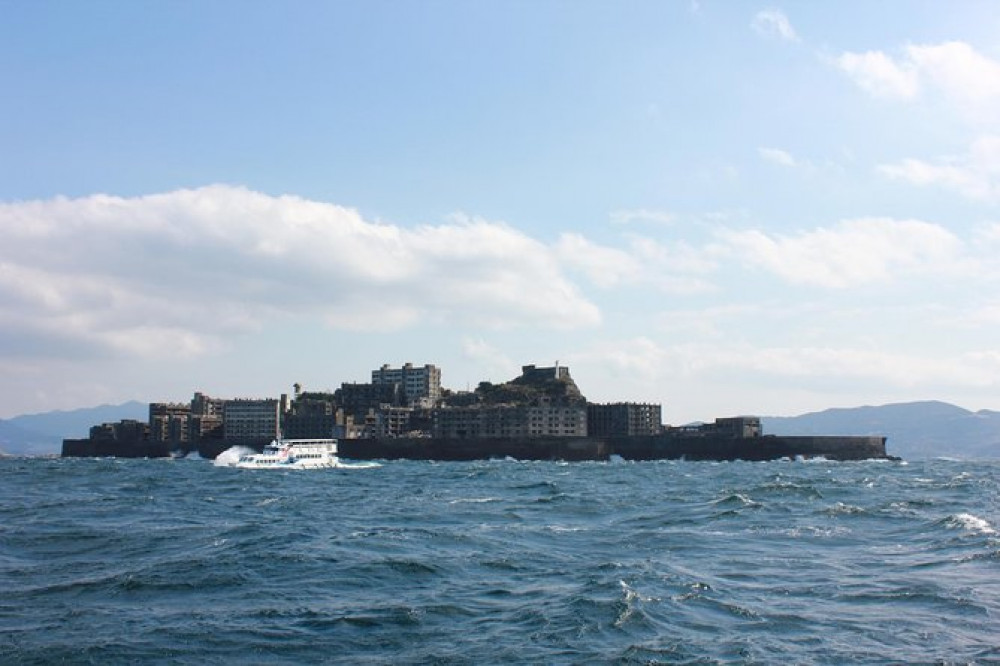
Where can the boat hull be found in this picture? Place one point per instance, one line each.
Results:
(251, 465)
(339, 464)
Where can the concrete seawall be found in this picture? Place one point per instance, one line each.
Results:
(541, 448)
(651, 447)
(89, 448)
(768, 447)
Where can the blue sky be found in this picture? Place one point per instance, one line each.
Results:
(723, 207)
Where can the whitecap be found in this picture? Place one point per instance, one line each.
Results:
(564, 528)
(967, 521)
(841, 508)
(628, 604)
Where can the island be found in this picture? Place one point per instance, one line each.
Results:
(405, 413)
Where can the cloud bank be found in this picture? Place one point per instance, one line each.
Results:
(645, 361)
(176, 273)
(849, 254)
(181, 274)
(852, 253)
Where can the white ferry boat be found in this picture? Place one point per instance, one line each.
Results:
(296, 454)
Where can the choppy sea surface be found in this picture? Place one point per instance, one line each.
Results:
(106, 561)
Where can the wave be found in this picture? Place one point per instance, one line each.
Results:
(231, 456)
(969, 523)
(138, 561)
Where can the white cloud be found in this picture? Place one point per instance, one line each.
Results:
(975, 175)
(963, 78)
(777, 156)
(879, 75)
(673, 268)
(850, 254)
(604, 266)
(967, 83)
(968, 79)
(773, 23)
(176, 273)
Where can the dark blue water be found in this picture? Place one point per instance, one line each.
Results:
(177, 562)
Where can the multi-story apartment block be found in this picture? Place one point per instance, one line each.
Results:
(476, 422)
(126, 430)
(310, 418)
(206, 418)
(358, 400)
(181, 423)
(392, 421)
(421, 387)
(203, 405)
(205, 427)
(169, 422)
(557, 420)
(623, 418)
(542, 420)
(249, 421)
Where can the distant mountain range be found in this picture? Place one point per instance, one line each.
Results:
(42, 434)
(915, 429)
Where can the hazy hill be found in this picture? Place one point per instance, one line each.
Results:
(20, 441)
(38, 434)
(915, 429)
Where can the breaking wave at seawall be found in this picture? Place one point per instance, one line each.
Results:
(151, 561)
(232, 455)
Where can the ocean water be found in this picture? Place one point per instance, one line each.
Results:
(106, 561)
